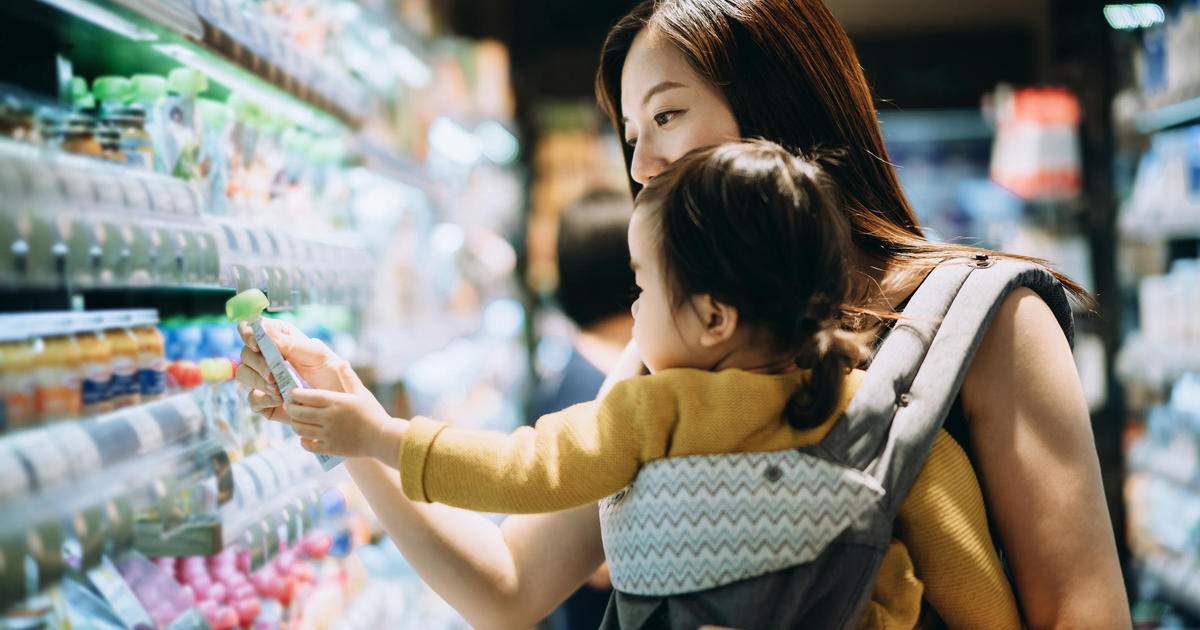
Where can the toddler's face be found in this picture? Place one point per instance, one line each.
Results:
(668, 337)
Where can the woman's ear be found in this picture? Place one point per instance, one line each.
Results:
(718, 320)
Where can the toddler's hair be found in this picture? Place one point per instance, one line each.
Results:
(763, 230)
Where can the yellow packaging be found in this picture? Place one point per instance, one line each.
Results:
(97, 366)
(125, 390)
(58, 365)
(152, 358)
(17, 378)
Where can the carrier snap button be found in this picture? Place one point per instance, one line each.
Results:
(773, 473)
(904, 399)
(982, 261)
(618, 496)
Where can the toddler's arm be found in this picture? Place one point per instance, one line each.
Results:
(570, 458)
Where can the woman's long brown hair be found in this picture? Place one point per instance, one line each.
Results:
(791, 76)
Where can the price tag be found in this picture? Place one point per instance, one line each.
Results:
(77, 446)
(42, 457)
(15, 481)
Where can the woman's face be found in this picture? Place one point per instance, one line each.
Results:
(668, 108)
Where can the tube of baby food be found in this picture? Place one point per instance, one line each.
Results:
(248, 306)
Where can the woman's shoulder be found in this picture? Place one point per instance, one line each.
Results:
(1024, 346)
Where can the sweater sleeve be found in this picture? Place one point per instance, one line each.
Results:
(569, 458)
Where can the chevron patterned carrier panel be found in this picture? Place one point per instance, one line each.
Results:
(692, 523)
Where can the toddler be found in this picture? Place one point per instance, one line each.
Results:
(741, 255)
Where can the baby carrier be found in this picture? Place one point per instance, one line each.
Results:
(794, 538)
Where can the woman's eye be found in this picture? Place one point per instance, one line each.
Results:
(663, 118)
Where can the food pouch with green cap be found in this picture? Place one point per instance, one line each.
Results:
(248, 306)
(179, 115)
(213, 164)
(148, 91)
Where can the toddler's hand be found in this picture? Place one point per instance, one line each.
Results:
(352, 424)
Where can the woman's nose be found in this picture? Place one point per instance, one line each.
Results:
(646, 163)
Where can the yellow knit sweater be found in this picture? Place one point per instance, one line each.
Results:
(942, 552)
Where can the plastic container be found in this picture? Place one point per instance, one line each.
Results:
(111, 92)
(152, 358)
(133, 141)
(248, 306)
(58, 368)
(214, 120)
(97, 364)
(182, 139)
(148, 91)
(16, 374)
(74, 133)
(125, 390)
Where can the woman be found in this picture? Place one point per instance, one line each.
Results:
(688, 73)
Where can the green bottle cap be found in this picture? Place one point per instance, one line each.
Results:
(246, 305)
(111, 88)
(279, 122)
(80, 95)
(244, 109)
(148, 87)
(213, 114)
(296, 141)
(187, 81)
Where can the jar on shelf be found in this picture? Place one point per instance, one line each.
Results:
(134, 141)
(17, 121)
(73, 133)
(110, 143)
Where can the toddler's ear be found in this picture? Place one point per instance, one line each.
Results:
(720, 320)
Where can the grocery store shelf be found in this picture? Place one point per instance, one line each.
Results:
(96, 444)
(1176, 578)
(158, 35)
(1145, 458)
(157, 237)
(1171, 114)
(1156, 363)
(1176, 225)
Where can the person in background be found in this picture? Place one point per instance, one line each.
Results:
(595, 291)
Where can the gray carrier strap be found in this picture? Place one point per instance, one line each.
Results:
(916, 374)
(693, 523)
